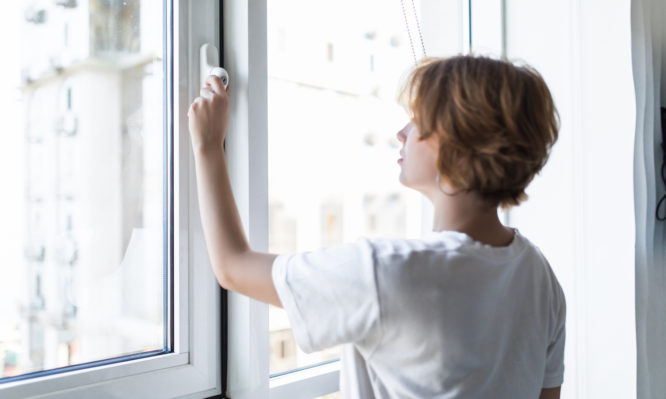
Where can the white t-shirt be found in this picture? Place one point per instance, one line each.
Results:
(440, 317)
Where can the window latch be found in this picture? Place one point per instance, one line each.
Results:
(209, 65)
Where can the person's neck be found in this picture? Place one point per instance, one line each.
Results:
(468, 213)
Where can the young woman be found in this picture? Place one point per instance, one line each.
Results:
(472, 310)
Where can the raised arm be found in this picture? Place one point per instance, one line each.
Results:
(235, 265)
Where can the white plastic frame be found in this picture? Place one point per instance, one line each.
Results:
(245, 58)
(194, 368)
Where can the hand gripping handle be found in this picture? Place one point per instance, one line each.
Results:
(209, 65)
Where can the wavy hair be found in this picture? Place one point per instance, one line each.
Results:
(496, 123)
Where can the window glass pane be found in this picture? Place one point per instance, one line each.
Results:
(334, 70)
(81, 165)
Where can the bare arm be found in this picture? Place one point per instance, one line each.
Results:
(550, 393)
(235, 265)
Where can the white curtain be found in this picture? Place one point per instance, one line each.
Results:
(649, 69)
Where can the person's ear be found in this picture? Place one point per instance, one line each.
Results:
(433, 141)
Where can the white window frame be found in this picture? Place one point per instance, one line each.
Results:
(194, 368)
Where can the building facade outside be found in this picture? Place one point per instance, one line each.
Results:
(91, 93)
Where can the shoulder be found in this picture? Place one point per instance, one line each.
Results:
(550, 281)
(400, 263)
(441, 243)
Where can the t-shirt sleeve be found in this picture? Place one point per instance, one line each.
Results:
(554, 375)
(330, 295)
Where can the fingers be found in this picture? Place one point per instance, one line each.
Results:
(194, 106)
(207, 92)
(216, 84)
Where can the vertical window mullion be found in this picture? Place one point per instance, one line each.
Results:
(244, 55)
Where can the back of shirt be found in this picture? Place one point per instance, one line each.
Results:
(444, 316)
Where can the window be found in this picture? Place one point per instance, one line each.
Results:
(332, 106)
(569, 196)
(109, 287)
(53, 137)
(90, 201)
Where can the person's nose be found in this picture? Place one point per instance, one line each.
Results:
(402, 134)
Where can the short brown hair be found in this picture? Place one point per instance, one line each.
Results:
(496, 123)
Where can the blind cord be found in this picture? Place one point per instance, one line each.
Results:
(418, 28)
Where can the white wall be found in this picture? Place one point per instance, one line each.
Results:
(580, 210)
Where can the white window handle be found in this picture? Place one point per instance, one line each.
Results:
(209, 65)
